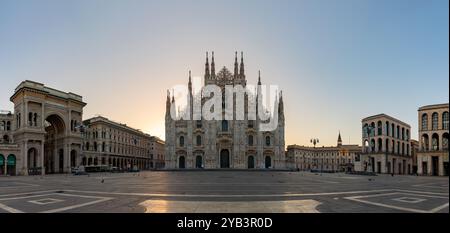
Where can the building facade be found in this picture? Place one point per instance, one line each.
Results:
(339, 158)
(212, 144)
(157, 152)
(107, 142)
(386, 145)
(9, 150)
(45, 134)
(38, 138)
(432, 157)
(414, 151)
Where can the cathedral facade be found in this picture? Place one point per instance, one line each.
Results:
(197, 143)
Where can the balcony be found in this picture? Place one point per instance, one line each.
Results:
(442, 150)
(384, 153)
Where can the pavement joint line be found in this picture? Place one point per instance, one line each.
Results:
(23, 185)
(221, 184)
(27, 193)
(422, 192)
(231, 195)
(24, 197)
(431, 184)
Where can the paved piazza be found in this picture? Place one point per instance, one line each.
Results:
(223, 192)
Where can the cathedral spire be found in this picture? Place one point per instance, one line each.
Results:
(173, 96)
(190, 83)
(206, 67)
(213, 66)
(168, 104)
(339, 141)
(259, 77)
(242, 64)
(236, 65)
(281, 106)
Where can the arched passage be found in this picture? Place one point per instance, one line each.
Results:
(2, 164)
(11, 165)
(54, 143)
(445, 141)
(435, 141)
(32, 158)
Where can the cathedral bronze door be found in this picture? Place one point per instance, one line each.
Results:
(268, 162)
(181, 162)
(224, 159)
(251, 162)
(198, 162)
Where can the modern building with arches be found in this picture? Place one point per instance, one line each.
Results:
(386, 145)
(432, 157)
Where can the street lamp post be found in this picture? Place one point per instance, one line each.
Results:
(315, 141)
(369, 130)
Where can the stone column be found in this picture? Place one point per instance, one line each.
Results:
(430, 165)
(25, 158)
(55, 158)
(25, 113)
(42, 116)
(41, 159)
(67, 160)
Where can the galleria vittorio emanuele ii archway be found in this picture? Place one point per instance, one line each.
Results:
(43, 132)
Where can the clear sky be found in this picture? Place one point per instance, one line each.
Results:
(337, 61)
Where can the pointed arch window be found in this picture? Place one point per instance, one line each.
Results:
(250, 140)
(224, 125)
(199, 140)
(181, 141)
(267, 140)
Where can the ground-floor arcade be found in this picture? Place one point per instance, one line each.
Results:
(119, 161)
(386, 163)
(433, 163)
